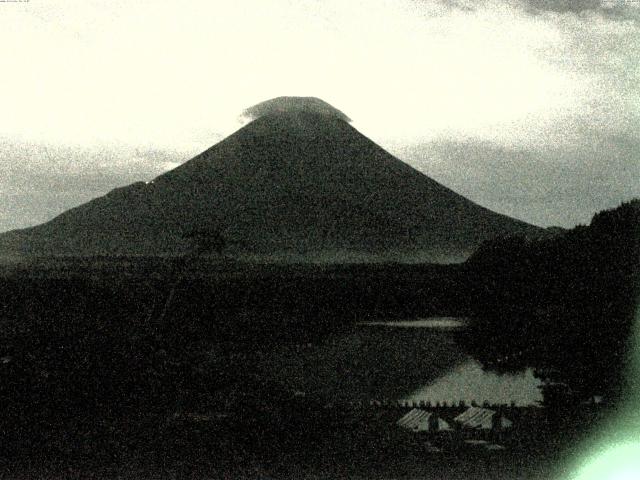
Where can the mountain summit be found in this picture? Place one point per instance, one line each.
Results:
(298, 183)
(294, 105)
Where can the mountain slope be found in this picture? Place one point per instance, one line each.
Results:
(291, 185)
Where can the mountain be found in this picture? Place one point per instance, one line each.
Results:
(298, 183)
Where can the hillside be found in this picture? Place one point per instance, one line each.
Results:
(295, 184)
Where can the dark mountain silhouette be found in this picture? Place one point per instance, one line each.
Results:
(298, 183)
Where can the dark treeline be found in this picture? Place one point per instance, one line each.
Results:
(563, 304)
(105, 358)
(100, 361)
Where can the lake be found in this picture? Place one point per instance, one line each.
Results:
(412, 360)
(435, 323)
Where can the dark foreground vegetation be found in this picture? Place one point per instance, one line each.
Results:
(108, 367)
(564, 305)
(142, 367)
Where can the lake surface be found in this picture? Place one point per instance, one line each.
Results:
(432, 322)
(469, 382)
(412, 360)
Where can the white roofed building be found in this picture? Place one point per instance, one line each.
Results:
(418, 420)
(478, 418)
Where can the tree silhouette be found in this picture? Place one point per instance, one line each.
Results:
(203, 242)
(567, 296)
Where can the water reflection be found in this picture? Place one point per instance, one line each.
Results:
(361, 363)
(418, 360)
(469, 382)
(433, 322)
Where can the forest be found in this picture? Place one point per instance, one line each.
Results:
(563, 304)
(97, 356)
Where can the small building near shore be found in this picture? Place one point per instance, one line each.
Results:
(418, 420)
(478, 418)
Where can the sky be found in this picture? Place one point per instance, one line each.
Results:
(528, 107)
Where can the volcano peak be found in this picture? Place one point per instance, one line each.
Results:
(296, 184)
(293, 105)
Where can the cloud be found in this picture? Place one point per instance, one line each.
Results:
(611, 8)
(293, 105)
(40, 181)
(567, 5)
(614, 9)
(551, 184)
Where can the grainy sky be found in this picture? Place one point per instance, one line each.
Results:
(529, 107)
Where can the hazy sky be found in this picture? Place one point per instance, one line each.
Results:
(529, 107)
